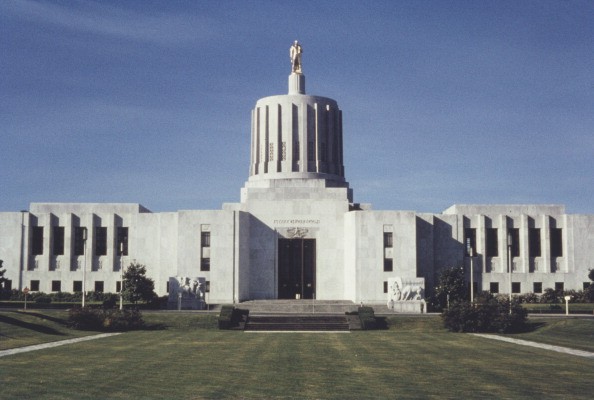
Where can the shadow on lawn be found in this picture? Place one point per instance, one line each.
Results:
(43, 316)
(28, 325)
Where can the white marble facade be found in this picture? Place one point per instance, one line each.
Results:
(296, 191)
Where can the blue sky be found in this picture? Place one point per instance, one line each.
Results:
(443, 102)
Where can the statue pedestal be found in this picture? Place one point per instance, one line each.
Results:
(296, 83)
(408, 306)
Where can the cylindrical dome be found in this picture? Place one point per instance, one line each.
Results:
(296, 136)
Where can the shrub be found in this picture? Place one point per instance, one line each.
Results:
(549, 296)
(367, 318)
(105, 320)
(225, 317)
(487, 315)
(43, 299)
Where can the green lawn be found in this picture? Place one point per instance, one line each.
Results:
(183, 357)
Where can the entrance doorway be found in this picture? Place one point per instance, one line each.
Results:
(296, 268)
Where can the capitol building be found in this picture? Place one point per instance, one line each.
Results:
(296, 232)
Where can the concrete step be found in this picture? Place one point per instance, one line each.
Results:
(298, 306)
(297, 323)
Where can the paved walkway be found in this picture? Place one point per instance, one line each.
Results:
(559, 349)
(25, 349)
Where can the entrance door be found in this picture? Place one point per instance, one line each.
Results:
(296, 268)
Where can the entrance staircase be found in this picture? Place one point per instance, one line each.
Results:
(297, 323)
(299, 315)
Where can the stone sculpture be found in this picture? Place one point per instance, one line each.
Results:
(295, 54)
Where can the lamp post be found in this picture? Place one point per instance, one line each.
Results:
(84, 282)
(567, 298)
(509, 266)
(121, 275)
(471, 255)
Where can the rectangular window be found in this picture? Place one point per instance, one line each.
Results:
(36, 240)
(513, 240)
(469, 239)
(118, 286)
(58, 233)
(559, 287)
(388, 239)
(56, 286)
(205, 264)
(283, 151)
(100, 241)
(494, 287)
(34, 286)
(388, 265)
(534, 242)
(537, 287)
(324, 152)
(99, 286)
(556, 242)
(77, 286)
(310, 151)
(296, 151)
(492, 243)
(167, 286)
(516, 287)
(122, 241)
(270, 151)
(80, 237)
(207, 287)
(385, 286)
(205, 239)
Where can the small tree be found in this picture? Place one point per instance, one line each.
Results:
(2, 278)
(589, 291)
(451, 286)
(136, 285)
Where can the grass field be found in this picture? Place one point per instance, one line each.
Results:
(183, 356)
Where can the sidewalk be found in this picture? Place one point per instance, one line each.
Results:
(559, 349)
(25, 349)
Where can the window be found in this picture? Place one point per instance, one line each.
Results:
(56, 286)
(205, 239)
(516, 287)
(167, 286)
(77, 286)
(385, 286)
(324, 152)
(388, 265)
(58, 248)
(122, 241)
(34, 286)
(513, 240)
(270, 151)
(537, 287)
(100, 241)
(207, 287)
(310, 151)
(36, 240)
(99, 286)
(559, 287)
(492, 243)
(469, 238)
(556, 242)
(494, 287)
(205, 264)
(118, 286)
(296, 152)
(80, 237)
(283, 151)
(534, 242)
(388, 239)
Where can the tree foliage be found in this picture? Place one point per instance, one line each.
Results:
(137, 287)
(452, 284)
(2, 278)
